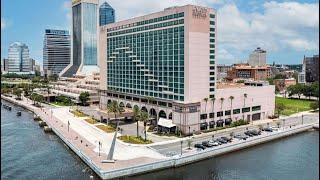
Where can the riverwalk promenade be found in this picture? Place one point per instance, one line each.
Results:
(83, 139)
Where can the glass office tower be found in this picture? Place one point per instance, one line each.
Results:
(18, 58)
(106, 14)
(84, 38)
(56, 50)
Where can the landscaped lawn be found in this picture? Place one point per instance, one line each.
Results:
(293, 105)
(91, 121)
(106, 128)
(134, 140)
(78, 113)
(58, 104)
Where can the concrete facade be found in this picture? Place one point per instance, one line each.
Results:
(129, 74)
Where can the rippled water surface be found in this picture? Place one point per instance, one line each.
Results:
(29, 153)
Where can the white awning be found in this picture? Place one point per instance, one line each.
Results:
(165, 123)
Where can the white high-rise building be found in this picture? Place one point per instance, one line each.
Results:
(18, 58)
(85, 26)
(258, 57)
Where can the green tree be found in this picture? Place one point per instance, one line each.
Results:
(144, 116)
(17, 92)
(279, 107)
(84, 97)
(115, 109)
(136, 115)
(213, 101)
(206, 101)
(231, 99)
(221, 101)
(314, 105)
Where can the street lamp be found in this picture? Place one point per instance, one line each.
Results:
(99, 147)
(302, 118)
(68, 125)
(189, 131)
(283, 123)
(212, 137)
(181, 147)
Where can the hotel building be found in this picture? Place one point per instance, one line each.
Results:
(85, 25)
(169, 56)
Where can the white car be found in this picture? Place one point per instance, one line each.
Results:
(214, 143)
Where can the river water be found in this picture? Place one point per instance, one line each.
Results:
(29, 153)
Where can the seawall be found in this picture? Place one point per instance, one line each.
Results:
(175, 161)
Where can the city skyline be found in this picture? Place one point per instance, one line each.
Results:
(239, 19)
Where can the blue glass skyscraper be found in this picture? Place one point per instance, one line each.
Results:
(106, 14)
(85, 18)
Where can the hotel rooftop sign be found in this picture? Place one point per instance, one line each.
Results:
(199, 12)
(75, 1)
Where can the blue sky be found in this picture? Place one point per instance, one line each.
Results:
(288, 30)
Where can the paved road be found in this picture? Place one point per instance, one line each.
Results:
(175, 148)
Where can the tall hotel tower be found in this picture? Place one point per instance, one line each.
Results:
(85, 25)
(168, 55)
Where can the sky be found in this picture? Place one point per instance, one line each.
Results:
(287, 30)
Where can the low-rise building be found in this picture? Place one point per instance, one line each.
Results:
(245, 71)
(282, 84)
(72, 87)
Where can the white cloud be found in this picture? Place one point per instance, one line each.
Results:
(3, 23)
(288, 26)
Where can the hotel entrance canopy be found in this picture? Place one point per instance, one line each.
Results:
(166, 123)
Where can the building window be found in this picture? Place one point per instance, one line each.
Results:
(211, 96)
(212, 23)
(236, 111)
(219, 114)
(212, 15)
(211, 115)
(256, 108)
(228, 112)
(247, 109)
(203, 116)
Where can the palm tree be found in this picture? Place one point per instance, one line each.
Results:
(213, 100)
(114, 108)
(245, 95)
(144, 116)
(221, 100)
(151, 100)
(205, 108)
(231, 99)
(136, 116)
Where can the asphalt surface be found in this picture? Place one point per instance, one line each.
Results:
(175, 148)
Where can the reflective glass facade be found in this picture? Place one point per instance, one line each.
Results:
(56, 50)
(90, 33)
(147, 58)
(18, 58)
(76, 35)
(106, 14)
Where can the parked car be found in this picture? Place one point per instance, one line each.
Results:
(222, 140)
(255, 132)
(206, 144)
(226, 138)
(268, 129)
(248, 133)
(200, 146)
(239, 136)
(214, 143)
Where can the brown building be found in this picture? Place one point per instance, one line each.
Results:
(245, 71)
(283, 84)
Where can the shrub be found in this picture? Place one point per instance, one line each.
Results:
(314, 105)
(134, 140)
